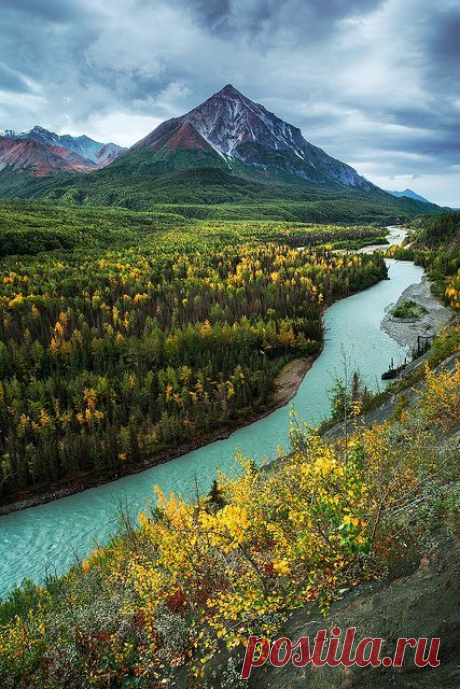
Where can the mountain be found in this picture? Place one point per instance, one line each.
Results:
(107, 154)
(94, 151)
(228, 157)
(233, 133)
(40, 159)
(409, 194)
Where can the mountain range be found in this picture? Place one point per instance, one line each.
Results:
(39, 159)
(228, 149)
(42, 152)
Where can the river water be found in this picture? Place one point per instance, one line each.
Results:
(50, 538)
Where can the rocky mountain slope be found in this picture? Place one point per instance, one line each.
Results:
(231, 131)
(423, 604)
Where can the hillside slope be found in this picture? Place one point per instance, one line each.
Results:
(424, 604)
(271, 552)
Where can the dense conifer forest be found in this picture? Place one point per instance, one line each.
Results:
(124, 333)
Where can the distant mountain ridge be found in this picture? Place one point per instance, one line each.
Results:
(100, 154)
(409, 194)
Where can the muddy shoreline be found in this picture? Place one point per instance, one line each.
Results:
(288, 381)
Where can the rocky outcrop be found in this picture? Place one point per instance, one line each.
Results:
(424, 604)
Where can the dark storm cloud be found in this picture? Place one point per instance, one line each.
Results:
(266, 17)
(446, 38)
(374, 82)
(39, 37)
(213, 12)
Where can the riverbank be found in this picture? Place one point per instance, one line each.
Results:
(396, 236)
(406, 331)
(419, 529)
(287, 383)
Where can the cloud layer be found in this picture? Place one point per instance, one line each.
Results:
(375, 83)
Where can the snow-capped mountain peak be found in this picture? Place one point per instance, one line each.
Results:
(237, 128)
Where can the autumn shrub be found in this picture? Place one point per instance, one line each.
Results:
(447, 343)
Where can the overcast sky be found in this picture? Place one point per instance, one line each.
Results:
(375, 83)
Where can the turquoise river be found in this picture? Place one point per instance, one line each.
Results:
(50, 538)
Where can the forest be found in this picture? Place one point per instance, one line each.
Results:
(435, 245)
(213, 193)
(123, 333)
